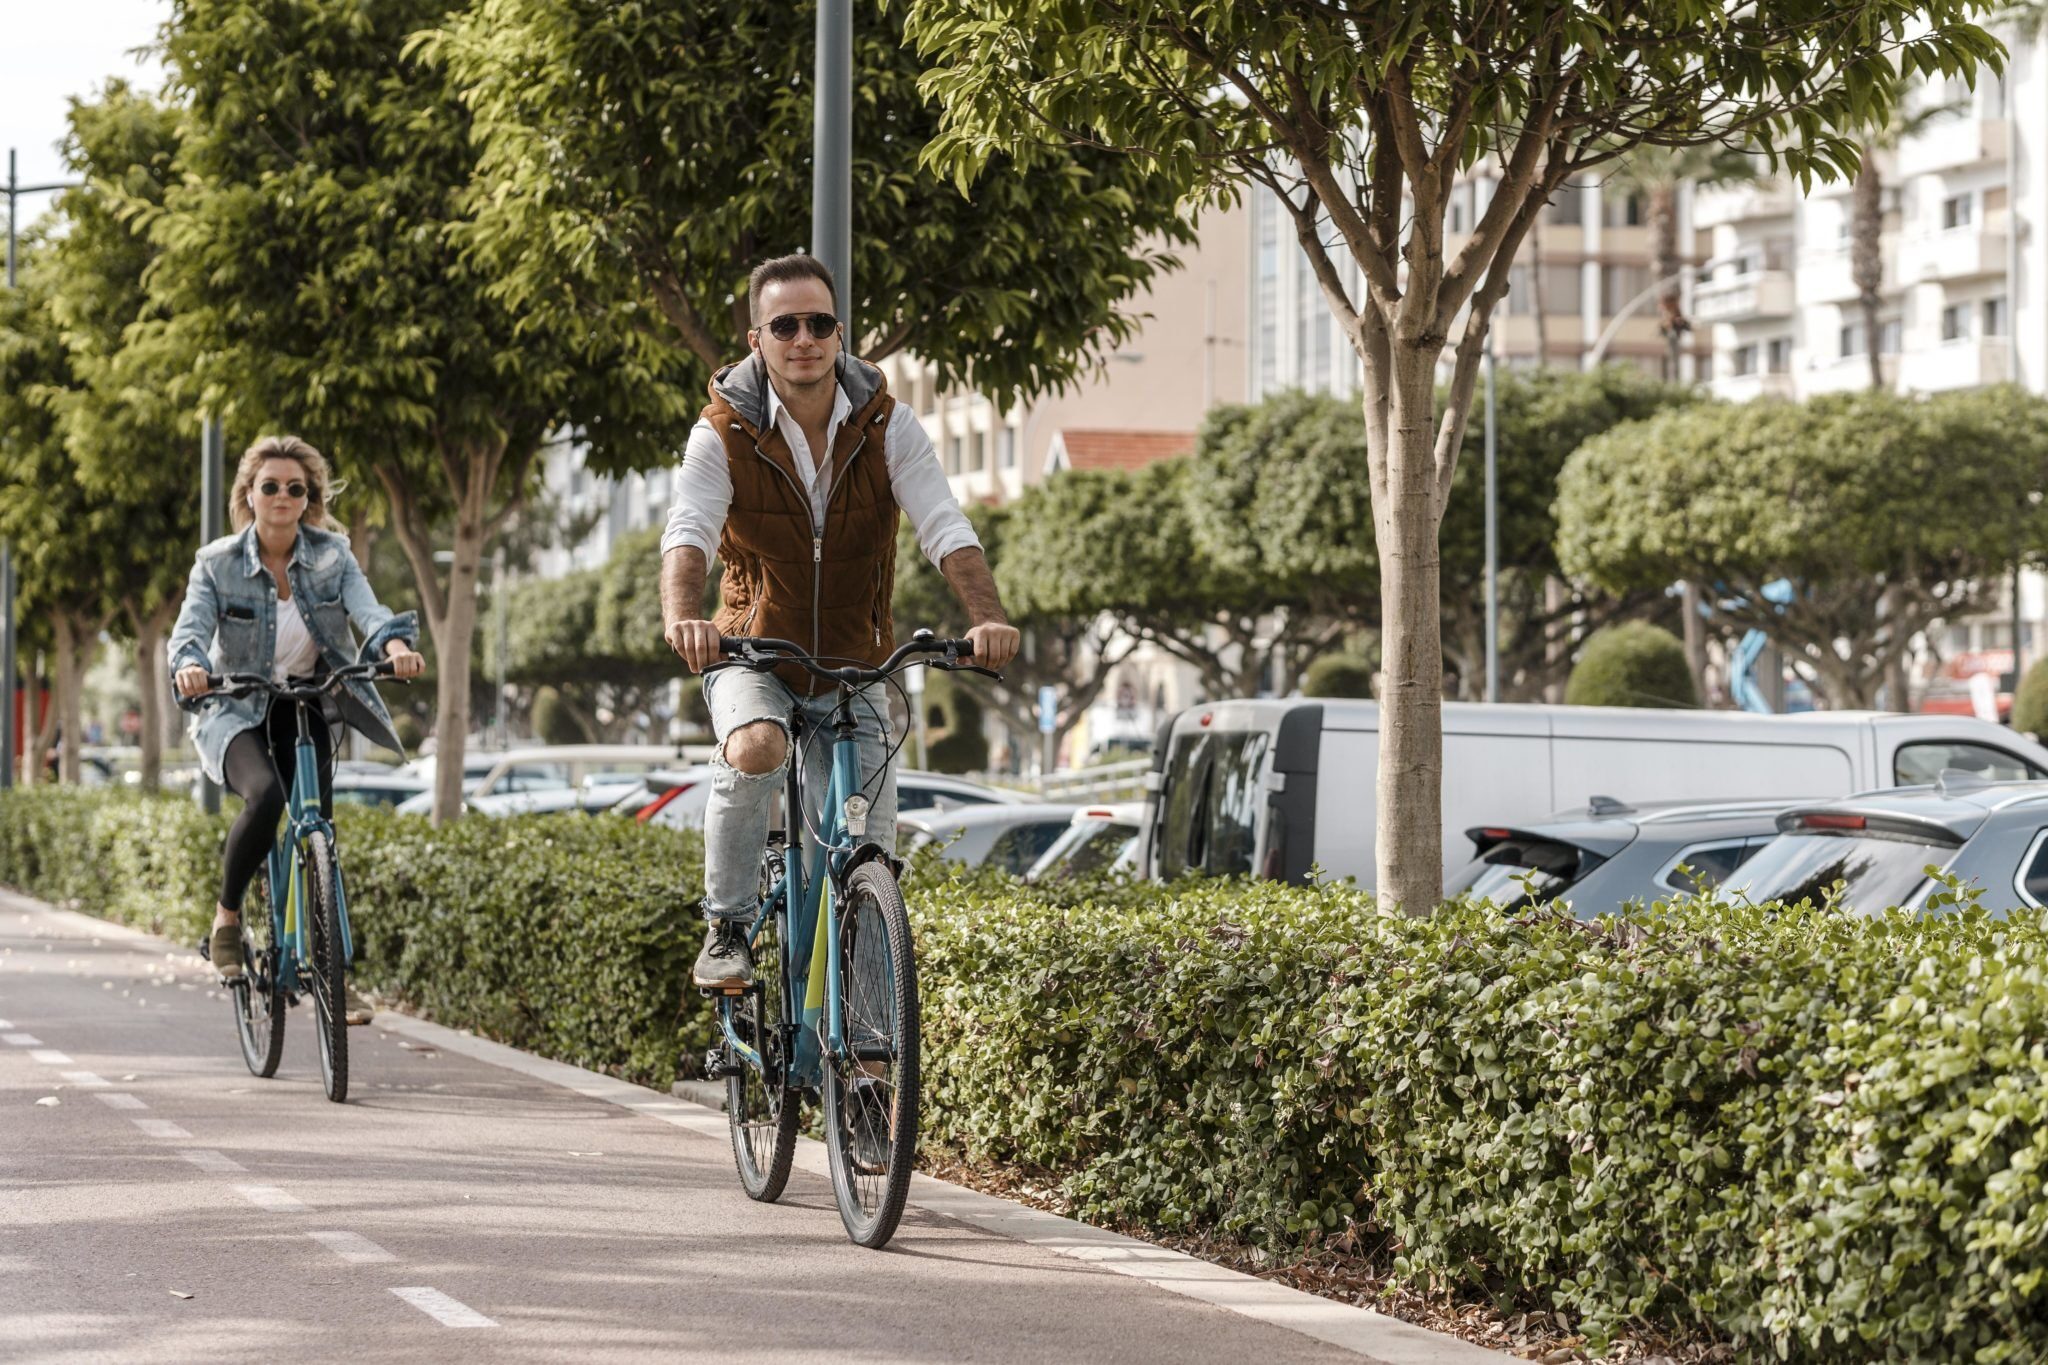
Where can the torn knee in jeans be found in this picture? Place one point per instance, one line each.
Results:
(756, 750)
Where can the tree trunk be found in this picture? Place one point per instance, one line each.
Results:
(1409, 853)
(1556, 653)
(1866, 256)
(1695, 638)
(39, 724)
(1664, 267)
(75, 641)
(1536, 299)
(150, 737)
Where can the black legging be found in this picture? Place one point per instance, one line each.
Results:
(258, 768)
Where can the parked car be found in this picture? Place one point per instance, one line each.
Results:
(554, 767)
(357, 785)
(1878, 845)
(592, 799)
(1274, 786)
(1600, 858)
(1006, 835)
(680, 800)
(1097, 839)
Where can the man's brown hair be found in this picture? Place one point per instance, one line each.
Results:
(783, 270)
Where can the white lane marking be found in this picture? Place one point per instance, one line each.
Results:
(120, 1101)
(20, 1040)
(85, 1079)
(352, 1247)
(446, 1311)
(160, 1128)
(270, 1197)
(219, 1163)
(49, 1056)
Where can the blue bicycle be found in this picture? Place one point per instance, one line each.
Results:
(303, 946)
(831, 918)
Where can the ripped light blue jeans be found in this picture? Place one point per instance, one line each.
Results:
(738, 813)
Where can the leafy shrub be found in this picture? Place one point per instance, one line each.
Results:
(953, 715)
(1632, 664)
(2030, 707)
(1338, 675)
(554, 722)
(1824, 1136)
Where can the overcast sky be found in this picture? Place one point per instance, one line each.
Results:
(51, 50)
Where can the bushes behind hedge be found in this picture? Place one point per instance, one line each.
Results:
(1823, 1136)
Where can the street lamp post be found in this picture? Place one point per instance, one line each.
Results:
(213, 442)
(15, 191)
(832, 154)
(1492, 540)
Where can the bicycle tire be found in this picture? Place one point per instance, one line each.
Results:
(257, 996)
(871, 1093)
(760, 1110)
(328, 969)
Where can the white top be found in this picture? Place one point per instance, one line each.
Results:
(296, 651)
(704, 486)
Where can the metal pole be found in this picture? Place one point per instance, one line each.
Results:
(212, 499)
(7, 560)
(498, 610)
(1492, 540)
(832, 154)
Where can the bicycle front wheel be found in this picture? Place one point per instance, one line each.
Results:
(329, 967)
(760, 1111)
(257, 995)
(871, 1089)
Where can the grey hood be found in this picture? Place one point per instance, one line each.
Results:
(744, 387)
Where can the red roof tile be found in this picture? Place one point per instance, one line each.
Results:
(1094, 449)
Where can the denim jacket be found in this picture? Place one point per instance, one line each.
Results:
(231, 606)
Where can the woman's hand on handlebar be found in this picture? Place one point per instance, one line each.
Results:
(191, 682)
(406, 661)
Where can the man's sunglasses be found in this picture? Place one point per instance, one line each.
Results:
(270, 488)
(785, 327)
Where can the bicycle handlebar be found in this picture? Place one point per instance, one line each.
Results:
(241, 684)
(760, 652)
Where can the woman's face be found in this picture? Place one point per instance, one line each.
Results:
(279, 494)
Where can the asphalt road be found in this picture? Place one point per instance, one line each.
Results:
(169, 1206)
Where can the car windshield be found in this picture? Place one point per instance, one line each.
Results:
(1522, 871)
(1087, 847)
(1877, 870)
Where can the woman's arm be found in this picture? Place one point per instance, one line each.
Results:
(198, 615)
(378, 623)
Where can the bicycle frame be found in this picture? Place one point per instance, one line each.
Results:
(813, 911)
(289, 927)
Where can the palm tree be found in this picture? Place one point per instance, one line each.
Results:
(1657, 174)
(1866, 219)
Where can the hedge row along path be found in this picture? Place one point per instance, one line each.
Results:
(472, 1202)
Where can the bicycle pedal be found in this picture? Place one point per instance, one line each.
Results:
(717, 1068)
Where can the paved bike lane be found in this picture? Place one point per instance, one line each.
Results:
(170, 1206)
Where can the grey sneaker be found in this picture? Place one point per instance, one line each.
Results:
(224, 950)
(726, 963)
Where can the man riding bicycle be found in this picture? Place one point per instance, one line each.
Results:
(794, 476)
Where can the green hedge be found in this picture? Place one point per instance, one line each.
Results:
(1824, 1137)
(1632, 664)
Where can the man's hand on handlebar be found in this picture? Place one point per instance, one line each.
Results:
(695, 641)
(995, 644)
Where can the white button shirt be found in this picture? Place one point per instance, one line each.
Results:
(916, 480)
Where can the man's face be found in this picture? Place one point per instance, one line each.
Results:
(803, 360)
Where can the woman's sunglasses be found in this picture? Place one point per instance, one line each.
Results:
(270, 488)
(785, 327)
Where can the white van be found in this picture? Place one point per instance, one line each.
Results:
(1275, 787)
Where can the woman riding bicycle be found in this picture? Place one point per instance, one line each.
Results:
(277, 597)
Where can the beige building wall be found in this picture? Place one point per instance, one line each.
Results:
(1188, 354)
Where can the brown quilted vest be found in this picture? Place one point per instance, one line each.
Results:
(828, 588)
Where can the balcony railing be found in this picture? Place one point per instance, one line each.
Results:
(1756, 294)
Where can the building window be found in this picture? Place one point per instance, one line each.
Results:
(1891, 333)
(1852, 339)
(1621, 210)
(1743, 361)
(1458, 219)
(1996, 319)
(978, 457)
(1619, 284)
(954, 446)
(1567, 208)
(1956, 211)
(1006, 448)
(1955, 322)
(1778, 355)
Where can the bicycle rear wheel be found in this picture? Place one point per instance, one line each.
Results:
(327, 971)
(760, 1112)
(871, 1092)
(257, 995)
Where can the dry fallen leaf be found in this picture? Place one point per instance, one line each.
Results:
(179, 1294)
(49, 1101)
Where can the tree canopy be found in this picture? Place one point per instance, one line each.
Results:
(1884, 513)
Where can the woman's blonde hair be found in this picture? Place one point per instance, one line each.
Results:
(321, 485)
